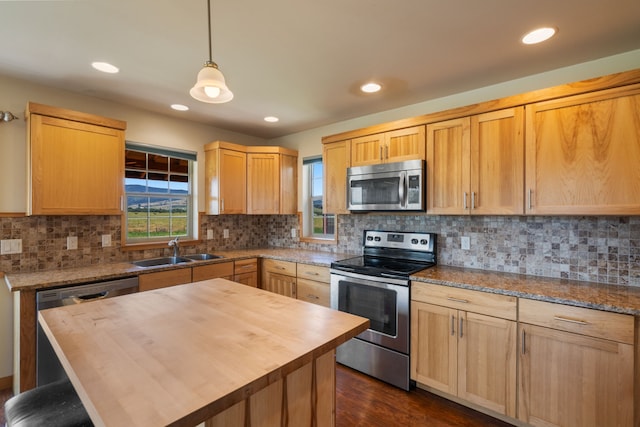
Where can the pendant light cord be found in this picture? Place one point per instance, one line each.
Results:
(209, 16)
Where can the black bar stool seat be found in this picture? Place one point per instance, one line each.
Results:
(52, 405)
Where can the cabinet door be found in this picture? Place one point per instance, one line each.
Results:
(367, 150)
(225, 182)
(487, 362)
(583, 154)
(434, 346)
(568, 380)
(249, 279)
(288, 184)
(405, 144)
(75, 168)
(497, 162)
(279, 284)
(448, 167)
(263, 183)
(336, 159)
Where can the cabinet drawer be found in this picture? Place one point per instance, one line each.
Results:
(280, 267)
(314, 272)
(502, 306)
(246, 266)
(585, 321)
(312, 291)
(163, 279)
(212, 271)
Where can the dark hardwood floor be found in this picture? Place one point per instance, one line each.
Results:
(365, 401)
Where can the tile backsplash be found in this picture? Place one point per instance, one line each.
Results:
(602, 249)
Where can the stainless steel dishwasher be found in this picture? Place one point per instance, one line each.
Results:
(48, 367)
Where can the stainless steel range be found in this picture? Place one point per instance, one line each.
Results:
(376, 286)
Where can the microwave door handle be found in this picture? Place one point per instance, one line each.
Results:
(402, 189)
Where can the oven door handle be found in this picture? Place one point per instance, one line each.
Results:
(368, 280)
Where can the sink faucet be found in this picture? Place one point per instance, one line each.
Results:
(176, 246)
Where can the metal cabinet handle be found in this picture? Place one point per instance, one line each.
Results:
(565, 319)
(463, 301)
(453, 325)
(473, 200)
(222, 205)
(381, 158)
(386, 152)
(312, 273)
(461, 321)
(464, 200)
(524, 336)
(313, 296)
(529, 199)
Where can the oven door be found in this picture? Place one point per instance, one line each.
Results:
(384, 301)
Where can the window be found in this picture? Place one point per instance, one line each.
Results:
(159, 195)
(316, 224)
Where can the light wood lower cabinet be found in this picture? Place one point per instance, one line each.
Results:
(246, 272)
(279, 277)
(576, 366)
(163, 279)
(458, 349)
(213, 271)
(313, 284)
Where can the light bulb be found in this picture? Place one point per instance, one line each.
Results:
(212, 91)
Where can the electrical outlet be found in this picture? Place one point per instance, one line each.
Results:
(209, 234)
(293, 232)
(10, 246)
(465, 243)
(106, 240)
(72, 242)
(225, 233)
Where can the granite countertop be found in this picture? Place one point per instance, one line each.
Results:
(110, 271)
(615, 298)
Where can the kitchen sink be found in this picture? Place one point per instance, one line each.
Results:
(202, 257)
(168, 260)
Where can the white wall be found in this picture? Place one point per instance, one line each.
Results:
(308, 143)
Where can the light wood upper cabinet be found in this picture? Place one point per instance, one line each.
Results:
(463, 343)
(568, 374)
(393, 146)
(225, 178)
(272, 180)
(336, 158)
(76, 163)
(475, 165)
(583, 154)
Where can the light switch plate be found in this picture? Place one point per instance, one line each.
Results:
(293, 232)
(72, 242)
(209, 234)
(225, 233)
(465, 243)
(5, 247)
(106, 240)
(10, 246)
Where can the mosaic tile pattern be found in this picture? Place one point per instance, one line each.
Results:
(597, 249)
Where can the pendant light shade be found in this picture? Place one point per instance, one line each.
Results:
(210, 85)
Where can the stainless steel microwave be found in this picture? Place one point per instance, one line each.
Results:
(387, 187)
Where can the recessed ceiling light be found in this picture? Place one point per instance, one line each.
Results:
(370, 87)
(105, 67)
(271, 119)
(538, 35)
(179, 107)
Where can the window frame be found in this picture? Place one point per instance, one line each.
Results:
(188, 200)
(306, 217)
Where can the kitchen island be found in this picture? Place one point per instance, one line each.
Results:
(213, 351)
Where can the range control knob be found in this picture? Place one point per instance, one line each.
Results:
(377, 238)
(369, 238)
(424, 241)
(414, 241)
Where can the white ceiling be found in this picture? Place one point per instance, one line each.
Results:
(301, 60)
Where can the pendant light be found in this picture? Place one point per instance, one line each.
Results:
(210, 86)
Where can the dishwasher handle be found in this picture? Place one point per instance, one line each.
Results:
(91, 297)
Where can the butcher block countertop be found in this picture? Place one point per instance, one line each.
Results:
(179, 355)
(615, 298)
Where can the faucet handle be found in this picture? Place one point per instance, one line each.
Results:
(174, 242)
